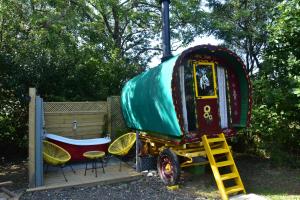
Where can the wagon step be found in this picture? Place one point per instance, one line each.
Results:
(218, 139)
(229, 176)
(224, 163)
(234, 189)
(219, 151)
(228, 163)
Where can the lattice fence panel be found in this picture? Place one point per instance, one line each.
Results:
(71, 107)
(115, 117)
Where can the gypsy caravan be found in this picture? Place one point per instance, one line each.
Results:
(203, 91)
(187, 106)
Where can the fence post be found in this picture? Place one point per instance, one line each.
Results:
(38, 142)
(31, 138)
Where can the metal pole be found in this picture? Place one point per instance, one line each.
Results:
(166, 30)
(38, 141)
(137, 150)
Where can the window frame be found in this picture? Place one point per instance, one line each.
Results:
(195, 64)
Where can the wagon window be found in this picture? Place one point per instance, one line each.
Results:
(205, 80)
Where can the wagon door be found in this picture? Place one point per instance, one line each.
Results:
(206, 98)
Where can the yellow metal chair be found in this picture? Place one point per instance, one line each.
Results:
(121, 146)
(56, 156)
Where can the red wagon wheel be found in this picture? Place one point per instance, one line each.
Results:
(168, 167)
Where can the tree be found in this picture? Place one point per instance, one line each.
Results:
(282, 57)
(275, 125)
(79, 49)
(134, 27)
(52, 42)
(242, 24)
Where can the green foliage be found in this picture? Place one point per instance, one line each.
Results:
(87, 49)
(75, 50)
(242, 25)
(13, 121)
(275, 128)
(272, 134)
(188, 20)
(296, 90)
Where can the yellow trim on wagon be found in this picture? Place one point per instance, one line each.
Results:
(214, 80)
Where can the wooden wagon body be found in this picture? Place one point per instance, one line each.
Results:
(203, 91)
(186, 107)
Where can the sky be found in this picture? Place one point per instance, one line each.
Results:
(198, 41)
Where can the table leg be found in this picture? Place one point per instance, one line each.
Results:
(95, 164)
(102, 165)
(85, 167)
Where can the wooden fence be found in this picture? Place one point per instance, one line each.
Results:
(78, 120)
(83, 120)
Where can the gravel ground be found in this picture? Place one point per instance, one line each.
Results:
(148, 187)
(258, 175)
(145, 188)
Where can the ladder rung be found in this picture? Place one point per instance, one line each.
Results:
(219, 151)
(211, 140)
(228, 176)
(234, 189)
(224, 163)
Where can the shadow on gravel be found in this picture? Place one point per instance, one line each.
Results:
(258, 175)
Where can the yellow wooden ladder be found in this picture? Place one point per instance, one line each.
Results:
(222, 151)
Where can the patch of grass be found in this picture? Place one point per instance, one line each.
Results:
(259, 177)
(262, 178)
(283, 197)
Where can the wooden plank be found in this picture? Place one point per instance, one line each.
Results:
(79, 125)
(31, 138)
(83, 136)
(70, 133)
(71, 115)
(77, 113)
(87, 136)
(78, 130)
(92, 136)
(70, 123)
(70, 118)
(66, 133)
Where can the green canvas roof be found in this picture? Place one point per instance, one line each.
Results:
(147, 102)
